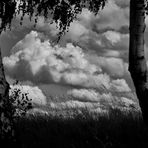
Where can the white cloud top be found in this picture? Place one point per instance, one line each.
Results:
(36, 60)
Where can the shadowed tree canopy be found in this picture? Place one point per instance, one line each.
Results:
(62, 12)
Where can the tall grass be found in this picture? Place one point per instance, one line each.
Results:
(82, 129)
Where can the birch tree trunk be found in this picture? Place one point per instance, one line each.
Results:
(6, 108)
(6, 121)
(137, 61)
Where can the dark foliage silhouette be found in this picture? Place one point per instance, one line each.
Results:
(16, 106)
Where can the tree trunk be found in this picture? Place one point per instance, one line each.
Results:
(6, 121)
(137, 61)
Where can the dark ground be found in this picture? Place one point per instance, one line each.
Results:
(115, 130)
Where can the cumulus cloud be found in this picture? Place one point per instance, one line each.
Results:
(36, 54)
(112, 16)
(119, 85)
(101, 82)
(112, 36)
(50, 28)
(36, 60)
(31, 55)
(84, 95)
(103, 102)
(74, 104)
(99, 100)
(111, 65)
(122, 4)
(115, 37)
(108, 31)
(114, 66)
(76, 31)
(127, 102)
(91, 95)
(107, 43)
(33, 93)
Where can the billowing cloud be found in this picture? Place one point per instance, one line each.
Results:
(34, 59)
(103, 100)
(76, 31)
(91, 95)
(119, 85)
(100, 81)
(113, 16)
(73, 104)
(102, 103)
(88, 30)
(33, 92)
(114, 66)
(116, 37)
(31, 55)
(111, 65)
(112, 36)
(94, 72)
(85, 95)
(127, 102)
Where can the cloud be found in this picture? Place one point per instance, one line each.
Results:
(36, 60)
(33, 93)
(76, 32)
(112, 36)
(102, 100)
(37, 111)
(50, 28)
(112, 16)
(87, 30)
(109, 29)
(74, 104)
(127, 102)
(113, 66)
(115, 37)
(100, 103)
(99, 65)
(117, 41)
(119, 85)
(91, 95)
(122, 4)
(107, 43)
(31, 56)
(100, 81)
(84, 95)
(110, 95)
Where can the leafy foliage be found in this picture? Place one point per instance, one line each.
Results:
(20, 103)
(7, 12)
(62, 12)
(13, 108)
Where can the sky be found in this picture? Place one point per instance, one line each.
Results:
(89, 63)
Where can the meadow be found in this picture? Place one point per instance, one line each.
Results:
(80, 128)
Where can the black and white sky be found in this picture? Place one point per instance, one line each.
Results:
(90, 62)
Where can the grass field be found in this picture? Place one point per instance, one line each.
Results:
(82, 129)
